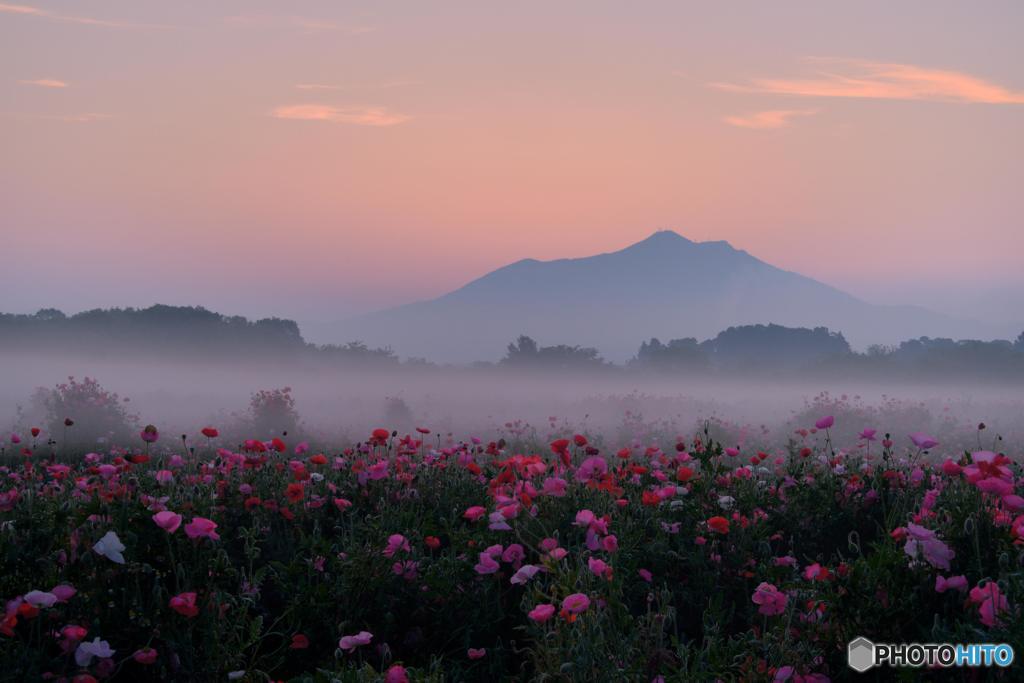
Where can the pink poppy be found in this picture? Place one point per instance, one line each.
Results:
(943, 584)
(576, 603)
(474, 513)
(168, 521)
(350, 643)
(542, 612)
(201, 527)
(770, 599)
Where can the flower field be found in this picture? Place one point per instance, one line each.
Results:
(429, 557)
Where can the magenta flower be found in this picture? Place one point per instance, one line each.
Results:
(943, 584)
(396, 543)
(772, 601)
(487, 564)
(474, 653)
(923, 441)
(184, 604)
(201, 527)
(542, 612)
(868, 434)
(576, 603)
(474, 513)
(149, 434)
(825, 422)
(592, 468)
(167, 520)
(350, 643)
(990, 601)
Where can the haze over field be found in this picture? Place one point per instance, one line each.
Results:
(440, 180)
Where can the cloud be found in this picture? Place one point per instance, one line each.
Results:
(764, 120)
(854, 78)
(360, 116)
(46, 83)
(304, 23)
(27, 10)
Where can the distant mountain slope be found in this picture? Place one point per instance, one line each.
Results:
(664, 286)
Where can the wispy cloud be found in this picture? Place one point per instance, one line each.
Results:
(386, 85)
(31, 11)
(295, 22)
(360, 116)
(855, 78)
(46, 83)
(764, 120)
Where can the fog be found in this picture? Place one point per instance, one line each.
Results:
(338, 406)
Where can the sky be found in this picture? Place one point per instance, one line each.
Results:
(314, 160)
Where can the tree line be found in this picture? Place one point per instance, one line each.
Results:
(194, 333)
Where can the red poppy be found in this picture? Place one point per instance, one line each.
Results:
(719, 524)
(210, 433)
(278, 445)
(35, 431)
(579, 440)
(299, 642)
(294, 493)
(319, 459)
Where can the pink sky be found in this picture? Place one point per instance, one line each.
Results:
(314, 159)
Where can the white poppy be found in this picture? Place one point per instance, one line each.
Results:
(110, 546)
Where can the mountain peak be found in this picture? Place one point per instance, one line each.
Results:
(663, 238)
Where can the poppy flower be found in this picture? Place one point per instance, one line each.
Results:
(149, 434)
(299, 642)
(146, 655)
(167, 520)
(210, 433)
(770, 600)
(474, 513)
(294, 492)
(576, 603)
(350, 643)
(110, 546)
(719, 524)
(184, 604)
(201, 527)
(87, 650)
(542, 613)
(825, 422)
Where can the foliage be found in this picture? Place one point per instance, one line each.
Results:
(430, 560)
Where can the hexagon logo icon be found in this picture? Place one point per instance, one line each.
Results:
(860, 654)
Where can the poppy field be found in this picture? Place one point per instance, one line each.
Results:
(427, 557)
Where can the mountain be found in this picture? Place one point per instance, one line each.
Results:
(665, 286)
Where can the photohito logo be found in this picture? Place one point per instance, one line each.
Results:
(862, 654)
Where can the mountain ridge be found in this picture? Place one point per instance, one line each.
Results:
(665, 286)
